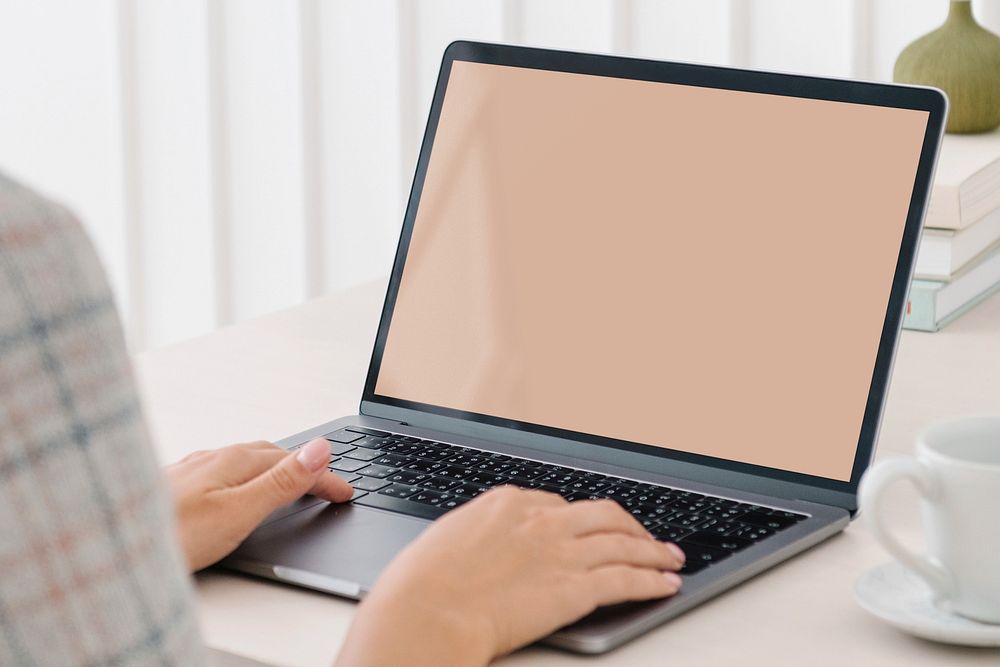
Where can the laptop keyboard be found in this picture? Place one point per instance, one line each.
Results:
(426, 479)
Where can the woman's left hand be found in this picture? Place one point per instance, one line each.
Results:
(221, 495)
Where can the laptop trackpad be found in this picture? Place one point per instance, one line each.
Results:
(337, 548)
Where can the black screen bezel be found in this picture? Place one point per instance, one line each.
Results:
(857, 92)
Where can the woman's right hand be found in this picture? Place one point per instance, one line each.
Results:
(508, 568)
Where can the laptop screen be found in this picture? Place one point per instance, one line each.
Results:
(690, 268)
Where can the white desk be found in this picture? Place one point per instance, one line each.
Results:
(282, 373)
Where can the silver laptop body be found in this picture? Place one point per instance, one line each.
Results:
(342, 549)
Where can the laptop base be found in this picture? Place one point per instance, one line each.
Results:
(342, 549)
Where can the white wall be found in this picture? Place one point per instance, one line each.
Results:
(232, 157)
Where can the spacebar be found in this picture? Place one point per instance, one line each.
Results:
(400, 505)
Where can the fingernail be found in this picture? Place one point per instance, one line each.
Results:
(673, 579)
(314, 456)
(677, 551)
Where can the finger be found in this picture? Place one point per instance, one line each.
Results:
(332, 487)
(545, 498)
(602, 549)
(258, 459)
(232, 465)
(624, 583)
(261, 444)
(287, 480)
(515, 503)
(255, 461)
(601, 516)
(522, 497)
(255, 444)
(237, 465)
(263, 455)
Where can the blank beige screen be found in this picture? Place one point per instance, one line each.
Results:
(691, 268)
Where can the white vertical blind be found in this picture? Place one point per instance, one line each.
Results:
(169, 162)
(311, 57)
(690, 30)
(232, 157)
(132, 287)
(361, 145)
(61, 124)
(220, 268)
(862, 39)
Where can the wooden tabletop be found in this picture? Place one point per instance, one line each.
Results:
(282, 373)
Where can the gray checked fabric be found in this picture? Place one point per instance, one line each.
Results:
(89, 570)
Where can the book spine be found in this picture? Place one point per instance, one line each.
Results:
(921, 309)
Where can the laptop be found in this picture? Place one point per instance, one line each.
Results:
(672, 285)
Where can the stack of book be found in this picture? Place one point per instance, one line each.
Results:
(958, 263)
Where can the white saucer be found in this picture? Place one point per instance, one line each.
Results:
(901, 598)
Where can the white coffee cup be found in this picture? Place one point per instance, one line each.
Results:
(957, 472)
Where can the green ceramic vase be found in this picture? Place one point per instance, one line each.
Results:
(963, 59)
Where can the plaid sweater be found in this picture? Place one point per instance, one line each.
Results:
(89, 571)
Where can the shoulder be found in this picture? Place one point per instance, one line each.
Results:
(59, 328)
(46, 258)
(21, 206)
